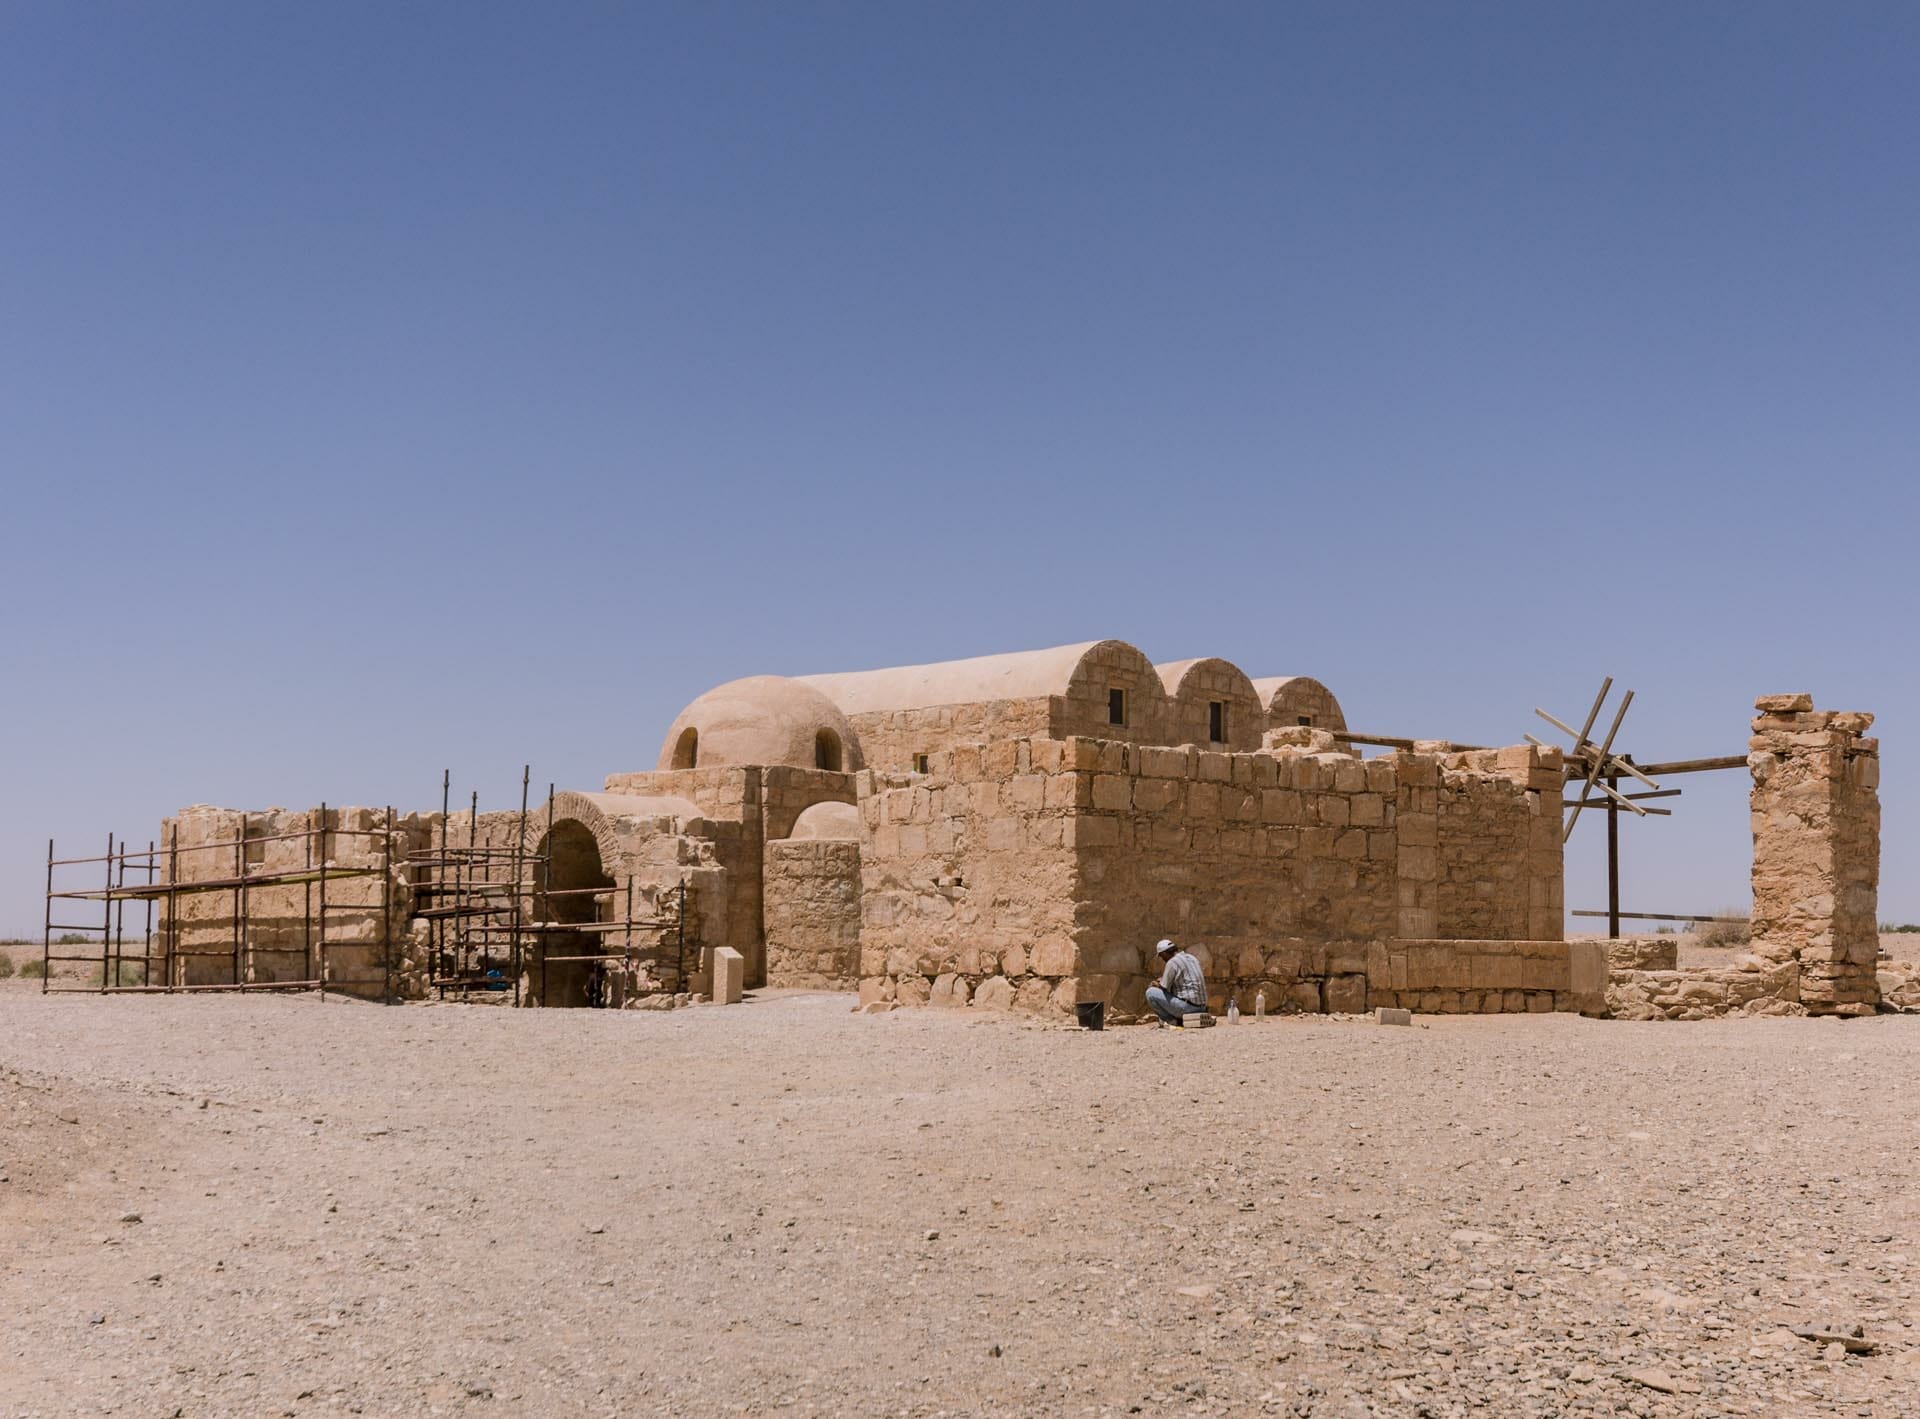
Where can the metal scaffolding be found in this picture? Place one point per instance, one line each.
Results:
(462, 892)
(165, 876)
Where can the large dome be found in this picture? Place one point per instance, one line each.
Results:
(763, 719)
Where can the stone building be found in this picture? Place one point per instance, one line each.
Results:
(1016, 830)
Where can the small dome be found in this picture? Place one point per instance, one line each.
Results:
(763, 719)
(839, 821)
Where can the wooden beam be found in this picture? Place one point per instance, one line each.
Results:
(1697, 766)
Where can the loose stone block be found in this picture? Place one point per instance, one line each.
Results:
(729, 976)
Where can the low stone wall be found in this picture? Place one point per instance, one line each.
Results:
(813, 914)
(1477, 977)
(1643, 953)
(1756, 987)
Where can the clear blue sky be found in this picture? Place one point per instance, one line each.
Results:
(390, 387)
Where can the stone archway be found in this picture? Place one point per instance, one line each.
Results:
(582, 855)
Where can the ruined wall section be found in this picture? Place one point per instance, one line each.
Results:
(1815, 810)
(812, 895)
(282, 931)
(1499, 860)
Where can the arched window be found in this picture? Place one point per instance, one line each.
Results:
(686, 749)
(826, 750)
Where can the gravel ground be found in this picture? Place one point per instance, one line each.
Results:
(786, 1207)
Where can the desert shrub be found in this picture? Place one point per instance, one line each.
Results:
(129, 974)
(6, 965)
(1723, 933)
(33, 970)
(73, 938)
(1887, 928)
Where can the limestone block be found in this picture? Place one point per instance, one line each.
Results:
(994, 993)
(950, 991)
(1346, 995)
(912, 989)
(1386, 1015)
(1052, 956)
(729, 976)
(1783, 704)
(1035, 993)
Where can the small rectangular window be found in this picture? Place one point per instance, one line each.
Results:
(1306, 721)
(920, 763)
(1216, 722)
(1116, 706)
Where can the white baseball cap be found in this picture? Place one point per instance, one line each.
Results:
(1164, 947)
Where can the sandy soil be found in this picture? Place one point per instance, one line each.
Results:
(783, 1207)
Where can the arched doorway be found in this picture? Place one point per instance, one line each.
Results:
(573, 873)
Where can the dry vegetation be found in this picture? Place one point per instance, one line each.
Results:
(784, 1207)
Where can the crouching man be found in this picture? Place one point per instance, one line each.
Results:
(1182, 989)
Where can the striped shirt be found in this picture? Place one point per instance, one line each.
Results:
(1182, 979)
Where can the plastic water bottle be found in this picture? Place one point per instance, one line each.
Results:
(1260, 1006)
(1233, 1012)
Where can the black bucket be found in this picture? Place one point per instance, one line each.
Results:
(1092, 1013)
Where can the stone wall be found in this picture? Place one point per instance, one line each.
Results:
(352, 929)
(894, 740)
(1275, 868)
(1816, 849)
(1500, 865)
(812, 896)
(1815, 814)
(1040, 872)
(1477, 977)
(745, 809)
(968, 879)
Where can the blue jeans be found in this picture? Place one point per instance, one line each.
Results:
(1170, 1007)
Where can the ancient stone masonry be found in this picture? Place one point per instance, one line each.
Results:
(1816, 849)
(741, 811)
(1018, 830)
(1039, 872)
(813, 914)
(1815, 812)
(346, 930)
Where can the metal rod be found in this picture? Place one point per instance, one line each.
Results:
(519, 845)
(46, 934)
(321, 852)
(1613, 861)
(1658, 916)
(386, 910)
(240, 902)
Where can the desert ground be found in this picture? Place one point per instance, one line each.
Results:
(268, 1206)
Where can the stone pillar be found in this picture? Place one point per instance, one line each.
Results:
(1816, 850)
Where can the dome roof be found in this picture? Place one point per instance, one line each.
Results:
(839, 821)
(1296, 699)
(763, 719)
